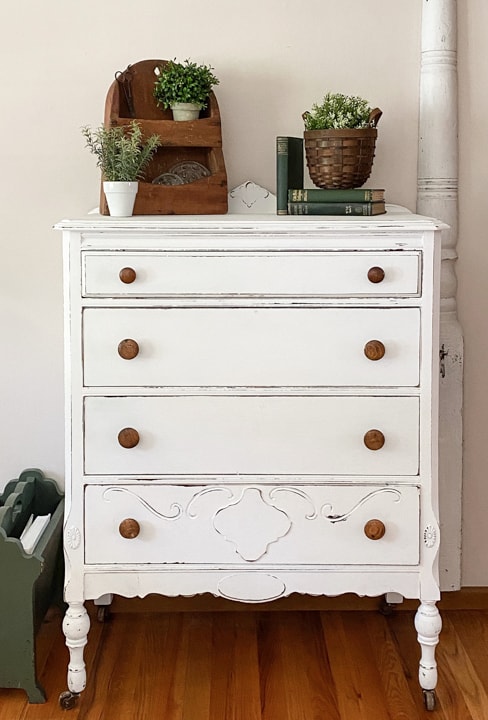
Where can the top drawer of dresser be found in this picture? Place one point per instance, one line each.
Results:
(239, 273)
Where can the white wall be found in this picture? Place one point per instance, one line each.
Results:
(274, 58)
(472, 281)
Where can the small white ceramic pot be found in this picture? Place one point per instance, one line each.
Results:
(121, 197)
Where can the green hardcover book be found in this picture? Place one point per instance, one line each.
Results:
(289, 169)
(336, 195)
(353, 209)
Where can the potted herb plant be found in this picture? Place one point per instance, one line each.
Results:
(340, 137)
(184, 87)
(122, 155)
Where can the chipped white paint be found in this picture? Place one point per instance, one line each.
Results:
(251, 394)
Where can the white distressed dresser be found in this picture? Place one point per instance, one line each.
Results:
(251, 412)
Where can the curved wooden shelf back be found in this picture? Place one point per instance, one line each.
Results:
(143, 78)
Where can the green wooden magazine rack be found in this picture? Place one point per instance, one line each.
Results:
(30, 581)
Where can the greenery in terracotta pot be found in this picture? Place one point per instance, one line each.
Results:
(185, 82)
(337, 111)
(122, 152)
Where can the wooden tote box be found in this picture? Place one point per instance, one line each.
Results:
(199, 141)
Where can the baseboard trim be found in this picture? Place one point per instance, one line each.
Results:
(469, 598)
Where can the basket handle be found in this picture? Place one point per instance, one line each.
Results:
(374, 117)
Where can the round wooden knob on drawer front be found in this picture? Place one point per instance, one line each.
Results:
(129, 528)
(374, 350)
(374, 439)
(128, 437)
(376, 274)
(374, 529)
(127, 275)
(128, 349)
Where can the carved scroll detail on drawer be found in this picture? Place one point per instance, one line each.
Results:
(326, 510)
(273, 524)
(175, 508)
(253, 524)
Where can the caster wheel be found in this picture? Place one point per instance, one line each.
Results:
(103, 613)
(67, 700)
(386, 608)
(429, 699)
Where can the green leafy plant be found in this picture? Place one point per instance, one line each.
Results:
(122, 153)
(337, 111)
(184, 82)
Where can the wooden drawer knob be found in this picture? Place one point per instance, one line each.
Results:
(376, 274)
(374, 350)
(374, 529)
(128, 349)
(129, 528)
(128, 437)
(127, 275)
(374, 439)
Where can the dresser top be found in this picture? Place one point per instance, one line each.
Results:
(396, 219)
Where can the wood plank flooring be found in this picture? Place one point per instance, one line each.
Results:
(257, 665)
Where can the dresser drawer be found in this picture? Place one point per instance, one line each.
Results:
(234, 273)
(250, 435)
(299, 524)
(255, 347)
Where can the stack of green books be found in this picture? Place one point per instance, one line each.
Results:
(354, 202)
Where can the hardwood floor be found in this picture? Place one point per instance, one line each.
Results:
(258, 665)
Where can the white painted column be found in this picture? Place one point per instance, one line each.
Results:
(437, 196)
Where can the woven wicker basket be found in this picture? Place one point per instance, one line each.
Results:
(341, 158)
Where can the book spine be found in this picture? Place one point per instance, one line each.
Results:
(289, 169)
(333, 195)
(282, 171)
(329, 208)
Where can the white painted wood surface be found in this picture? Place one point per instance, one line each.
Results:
(438, 197)
(232, 434)
(234, 273)
(225, 346)
(239, 525)
(251, 478)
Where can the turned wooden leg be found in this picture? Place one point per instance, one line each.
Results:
(428, 624)
(76, 624)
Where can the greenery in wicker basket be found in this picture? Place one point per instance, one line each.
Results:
(185, 82)
(337, 111)
(122, 153)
